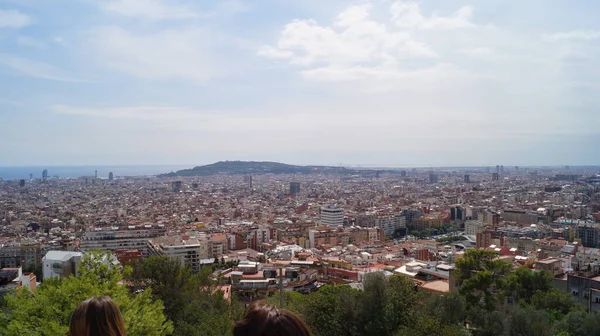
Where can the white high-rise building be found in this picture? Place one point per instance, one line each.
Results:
(332, 215)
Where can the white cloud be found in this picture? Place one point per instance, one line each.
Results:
(13, 19)
(150, 9)
(168, 54)
(408, 15)
(353, 42)
(575, 35)
(34, 68)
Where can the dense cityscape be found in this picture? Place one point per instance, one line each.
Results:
(299, 232)
(299, 168)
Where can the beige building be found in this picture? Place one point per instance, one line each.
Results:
(189, 252)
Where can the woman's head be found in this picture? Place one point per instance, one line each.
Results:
(97, 316)
(266, 320)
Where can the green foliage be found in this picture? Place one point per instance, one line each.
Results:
(450, 239)
(524, 283)
(191, 300)
(481, 278)
(47, 311)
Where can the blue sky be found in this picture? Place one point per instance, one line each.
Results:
(397, 83)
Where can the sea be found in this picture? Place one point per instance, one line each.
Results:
(16, 173)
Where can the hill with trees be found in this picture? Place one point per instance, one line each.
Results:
(262, 167)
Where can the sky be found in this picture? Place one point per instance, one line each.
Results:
(373, 83)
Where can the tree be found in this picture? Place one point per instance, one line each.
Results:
(527, 322)
(524, 283)
(480, 276)
(332, 311)
(192, 301)
(47, 311)
(579, 323)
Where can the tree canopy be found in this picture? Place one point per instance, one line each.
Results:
(47, 311)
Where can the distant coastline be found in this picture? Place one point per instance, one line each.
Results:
(16, 173)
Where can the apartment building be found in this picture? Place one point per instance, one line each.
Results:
(20, 254)
(188, 251)
(133, 237)
(473, 227)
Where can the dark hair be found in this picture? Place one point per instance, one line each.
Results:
(97, 316)
(266, 320)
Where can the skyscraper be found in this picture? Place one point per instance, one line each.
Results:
(31, 176)
(403, 173)
(22, 183)
(497, 169)
(110, 176)
(95, 173)
(467, 178)
(45, 173)
(495, 177)
(294, 188)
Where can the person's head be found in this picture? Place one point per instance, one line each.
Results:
(97, 316)
(266, 320)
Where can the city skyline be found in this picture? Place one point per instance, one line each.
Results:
(371, 83)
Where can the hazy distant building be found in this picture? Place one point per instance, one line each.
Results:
(248, 181)
(110, 176)
(331, 215)
(95, 173)
(176, 186)
(31, 176)
(433, 178)
(467, 178)
(497, 169)
(501, 169)
(45, 173)
(403, 173)
(294, 188)
(22, 183)
(495, 177)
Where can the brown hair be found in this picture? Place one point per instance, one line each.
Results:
(266, 320)
(97, 316)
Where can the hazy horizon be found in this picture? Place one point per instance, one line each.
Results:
(438, 83)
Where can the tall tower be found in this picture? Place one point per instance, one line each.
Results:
(110, 176)
(294, 188)
(96, 173)
(31, 176)
(467, 178)
(45, 173)
(248, 181)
